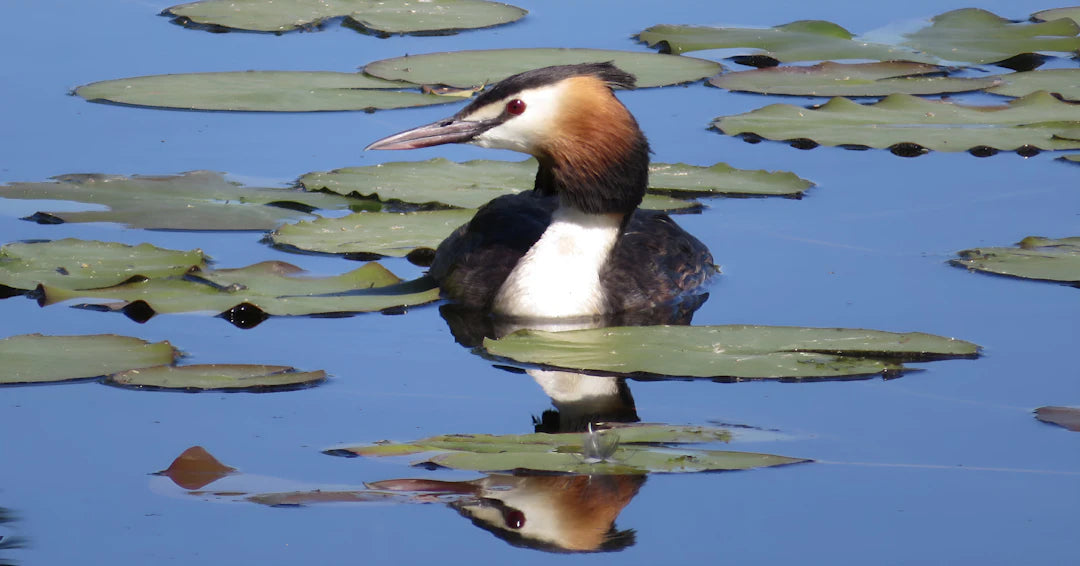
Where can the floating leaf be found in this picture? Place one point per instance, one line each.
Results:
(297, 498)
(1068, 417)
(1034, 121)
(81, 264)
(637, 449)
(1035, 258)
(736, 351)
(260, 91)
(1073, 157)
(372, 233)
(33, 358)
(217, 377)
(473, 183)
(1072, 13)
(377, 16)
(1061, 82)
(977, 36)
(857, 79)
(195, 468)
(465, 69)
(198, 200)
(272, 287)
(807, 40)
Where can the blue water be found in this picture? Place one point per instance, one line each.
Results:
(945, 465)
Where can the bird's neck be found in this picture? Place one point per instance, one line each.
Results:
(559, 276)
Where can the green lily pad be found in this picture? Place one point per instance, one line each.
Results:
(1062, 82)
(1073, 13)
(472, 184)
(217, 377)
(1068, 417)
(806, 40)
(630, 449)
(857, 79)
(1072, 157)
(198, 200)
(381, 17)
(973, 35)
(1035, 258)
(81, 264)
(260, 91)
(33, 358)
(1034, 121)
(737, 352)
(273, 288)
(372, 233)
(465, 69)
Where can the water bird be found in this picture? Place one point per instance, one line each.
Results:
(577, 245)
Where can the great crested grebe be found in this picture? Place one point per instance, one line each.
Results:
(576, 245)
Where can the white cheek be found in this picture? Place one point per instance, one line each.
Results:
(521, 133)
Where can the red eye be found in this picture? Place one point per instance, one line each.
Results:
(515, 106)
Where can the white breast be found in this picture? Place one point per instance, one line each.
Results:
(560, 275)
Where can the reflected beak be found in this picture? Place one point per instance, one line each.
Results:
(448, 130)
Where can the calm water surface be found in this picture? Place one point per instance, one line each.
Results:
(946, 465)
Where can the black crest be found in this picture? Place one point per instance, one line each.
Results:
(608, 72)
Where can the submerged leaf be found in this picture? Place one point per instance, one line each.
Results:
(807, 40)
(856, 79)
(466, 69)
(976, 36)
(82, 264)
(1035, 258)
(197, 200)
(33, 358)
(1061, 82)
(1037, 120)
(736, 351)
(260, 91)
(217, 377)
(379, 16)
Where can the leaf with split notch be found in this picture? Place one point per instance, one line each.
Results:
(1061, 82)
(854, 79)
(735, 351)
(33, 358)
(1037, 120)
(1034, 258)
(197, 200)
(261, 91)
(276, 288)
(218, 377)
(84, 264)
(375, 16)
(805, 40)
(977, 36)
(626, 460)
(467, 69)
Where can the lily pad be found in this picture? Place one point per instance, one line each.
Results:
(372, 234)
(382, 17)
(1061, 82)
(1037, 120)
(273, 288)
(81, 264)
(465, 69)
(805, 40)
(1073, 13)
(735, 352)
(473, 183)
(198, 200)
(34, 358)
(1068, 417)
(260, 91)
(973, 35)
(630, 449)
(217, 377)
(1072, 157)
(1034, 258)
(857, 79)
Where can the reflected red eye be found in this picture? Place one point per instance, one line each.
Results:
(515, 106)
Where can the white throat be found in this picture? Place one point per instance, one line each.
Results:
(560, 275)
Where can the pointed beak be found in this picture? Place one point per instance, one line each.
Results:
(448, 130)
